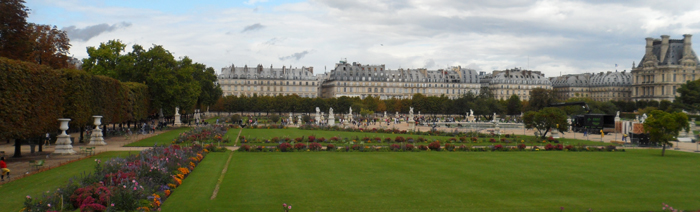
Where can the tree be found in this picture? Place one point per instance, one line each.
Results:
(108, 60)
(546, 119)
(514, 105)
(541, 98)
(663, 127)
(689, 98)
(50, 46)
(14, 35)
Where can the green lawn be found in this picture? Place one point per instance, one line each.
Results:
(13, 193)
(636, 180)
(213, 120)
(295, 132)
(165, 138)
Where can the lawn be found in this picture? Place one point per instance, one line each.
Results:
(636, 180)
(165, 138)
(13, 193)
(292, 133)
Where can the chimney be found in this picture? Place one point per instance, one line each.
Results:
(687, 48)
(664, 48)
(650, 45)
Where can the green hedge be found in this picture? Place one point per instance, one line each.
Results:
(31, 99)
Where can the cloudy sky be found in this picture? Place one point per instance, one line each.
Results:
(553, 36)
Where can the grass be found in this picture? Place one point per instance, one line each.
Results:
(212, 120)
(295, 132)
(162, 139)
(13, 193)
(636, 180)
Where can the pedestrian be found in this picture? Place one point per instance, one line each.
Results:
(5, 170)
(624, 137)
(48, 140)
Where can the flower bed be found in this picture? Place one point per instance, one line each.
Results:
(434, 146)
(135, 183)
(206, 134)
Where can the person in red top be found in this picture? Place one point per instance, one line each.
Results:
(4, 168)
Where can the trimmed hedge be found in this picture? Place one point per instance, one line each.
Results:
(33, 97)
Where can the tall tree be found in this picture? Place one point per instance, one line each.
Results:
(14, 34)
(514, 106)
(49, 46)
(108, 60)
(545, 120)
(541, 98)
(689, 98)
(663, 127)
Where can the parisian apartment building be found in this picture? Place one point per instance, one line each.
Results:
(262, 81)
(362, 80)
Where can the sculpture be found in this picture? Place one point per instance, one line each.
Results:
(410, 111)
(618, 114)
(318, 110)
(351, 110)
(177, 109)
(330, 111)
(471, 112)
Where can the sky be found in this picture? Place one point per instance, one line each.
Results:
(552, 36)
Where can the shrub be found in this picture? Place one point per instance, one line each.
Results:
(334, 138)
(449, 147)
(399, 139)
(423, 147)
(300, 146)
(244, 148)
(394, 147)
(549, 147)
(550, 138)
(322, 139)
(312, 138)
(610, 147)
(464, 148)
(409, 147)
(378, 139)
(434, 146)
(421, 139)
(330, 147)
(569, 147)
(315, 146)
(498, 147)
(298, 139)
(387, 140)
(285, 147)
(452, 140)
(356, 147)
(492, 140)
(521, 146)
(275, 139)
(559, 147)
(463, 139)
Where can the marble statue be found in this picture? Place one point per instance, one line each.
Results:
(330, 111)
(177, 110)
(410, 111)
(618, 114)
(351, 110)
(471, 112)
(318, 110)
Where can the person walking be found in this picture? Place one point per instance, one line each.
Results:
(5, 170)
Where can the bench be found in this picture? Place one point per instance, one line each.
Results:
(36, 163)
(87, 150)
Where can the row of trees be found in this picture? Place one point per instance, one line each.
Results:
(171, 83)
(35, 96)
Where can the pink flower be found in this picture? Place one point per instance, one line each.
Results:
(283, 205)
(290, 207)
(49, 204)
(134, 188)
(112, 204)
(28, 197)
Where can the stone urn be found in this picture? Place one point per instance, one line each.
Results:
(96, 138)
(63, 144)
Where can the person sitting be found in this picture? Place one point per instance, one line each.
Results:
(4, 168)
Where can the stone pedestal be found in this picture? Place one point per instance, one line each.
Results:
(299, 121)
(177, 120)
(63, 145)
(331, 121)
(96, 138)
(555, 133)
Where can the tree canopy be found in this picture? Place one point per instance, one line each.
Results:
(663, 127)
(545, 120)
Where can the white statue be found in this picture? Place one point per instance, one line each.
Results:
(494, 116)
(350, 110)
(330, 111)
(177, 110)
(471, 112)
(410, 111)
(384, 114)
(618, 114)
(397, 113)
(318, 110)
(644, 117)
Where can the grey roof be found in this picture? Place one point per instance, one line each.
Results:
(357, 72)
(571, 80)
(260, 72)
(673, 55)
(611, 79)
(519, 76)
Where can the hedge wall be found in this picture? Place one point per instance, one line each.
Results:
(31, 99)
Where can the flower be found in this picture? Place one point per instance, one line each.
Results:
(28, 197)
(112, 204)
(48, 204)
(290, 207)
(284, 204)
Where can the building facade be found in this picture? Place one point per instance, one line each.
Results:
(504, 84)
(260, 81)
(666, 65)
(357, 80)
(603, 86)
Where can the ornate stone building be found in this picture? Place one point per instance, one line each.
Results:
(603, 86)
(516, 81)
(666, 65)
(249, 81)
(357, 80)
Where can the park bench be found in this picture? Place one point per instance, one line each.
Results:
(36, 163)
(87, 150)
